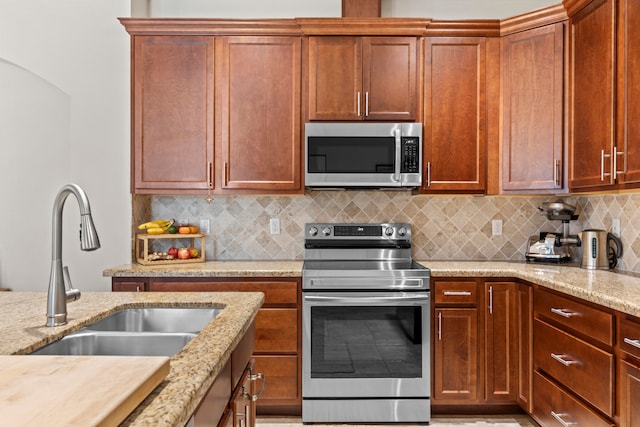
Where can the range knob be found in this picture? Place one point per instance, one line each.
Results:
(313, 231)
(388, 231)
(402, 231)
(326, 231)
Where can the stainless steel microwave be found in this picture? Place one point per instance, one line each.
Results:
(363, 155)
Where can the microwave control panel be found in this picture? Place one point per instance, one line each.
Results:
(410, 155)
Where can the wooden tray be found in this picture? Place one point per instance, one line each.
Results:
(143, 244)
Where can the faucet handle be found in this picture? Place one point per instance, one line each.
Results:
(71, 293)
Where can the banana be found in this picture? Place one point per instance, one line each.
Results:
(158, 223)
(157, 230)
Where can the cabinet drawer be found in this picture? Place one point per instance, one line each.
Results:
(455, 293)
(553, 407)
(275, 293)
(276, 330)
(629, 336)
(281, 377)
(574, 315)
(581, 367)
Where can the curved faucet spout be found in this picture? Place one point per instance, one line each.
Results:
(60, 288)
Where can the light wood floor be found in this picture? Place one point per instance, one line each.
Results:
(436, 421)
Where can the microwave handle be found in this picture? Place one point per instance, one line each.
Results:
(396, 175)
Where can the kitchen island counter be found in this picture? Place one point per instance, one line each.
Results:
(192, 371)
(618, 291)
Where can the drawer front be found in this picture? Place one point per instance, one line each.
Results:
(281, 377)
(574, 315)
(553, 407)
(275, 293)
(277, 330)
(585, 369)
(629, 336)
(455, 293)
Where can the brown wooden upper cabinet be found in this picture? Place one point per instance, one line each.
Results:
(604, 91)
(219, 114)
(362, 78)
(455, 115)
(532, 80)
(172, 106)
(258, 83)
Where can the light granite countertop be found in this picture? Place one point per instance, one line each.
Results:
(611, 289)
(193, 370)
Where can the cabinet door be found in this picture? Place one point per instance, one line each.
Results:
(242, 405)
(173, 118)
(533, 109)
(455, 122)
(455, 353)
(592, 95)
(524, 327)
(389, 78)
(335, 78)
(258, 83)
(629, 394)
(628, 135)
(501, 342)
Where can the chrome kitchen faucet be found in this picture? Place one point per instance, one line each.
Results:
(60, 288)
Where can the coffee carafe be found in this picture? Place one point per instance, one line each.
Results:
(600, 250)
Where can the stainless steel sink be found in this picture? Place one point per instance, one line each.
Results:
(135, 332)
(157, 320)
(89, 343)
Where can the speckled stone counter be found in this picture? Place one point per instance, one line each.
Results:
(193, 370)
(210, 269)
(610, 289)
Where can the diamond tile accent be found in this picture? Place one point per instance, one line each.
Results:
(445, 227)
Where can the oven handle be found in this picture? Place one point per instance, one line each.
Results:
(368, 299)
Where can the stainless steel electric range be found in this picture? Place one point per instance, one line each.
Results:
(365, 334)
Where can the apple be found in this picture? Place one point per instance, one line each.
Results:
(173, 252)
(193, 252)
(183, 253)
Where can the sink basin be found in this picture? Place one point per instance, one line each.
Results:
(154, 319)
(90, 343)
(151, 331)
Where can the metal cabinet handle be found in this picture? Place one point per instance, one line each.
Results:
(602, 157)
(560, 419)
(556, 172)
(564, 312)
(256, 377)
(226, 173)
(439, 326)
(358, 102)
(635, 343)
(563, 358)
(456, 293)
(490, 299)
(617, 153)
(428, 174)
(210, 174)
(366, 104)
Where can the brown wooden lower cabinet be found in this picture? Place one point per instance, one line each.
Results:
(554, 407)
(277, 349)
(629, 393)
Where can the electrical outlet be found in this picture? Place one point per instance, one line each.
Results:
(274, 226)
(615, 226)
(205, 226)
(496, 227)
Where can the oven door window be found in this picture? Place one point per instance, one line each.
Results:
(366, 342)
(351, 155)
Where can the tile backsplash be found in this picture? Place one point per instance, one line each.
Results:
(444, 227)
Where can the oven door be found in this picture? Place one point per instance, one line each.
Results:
(365, 344)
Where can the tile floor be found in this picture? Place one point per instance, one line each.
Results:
(436, 421)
